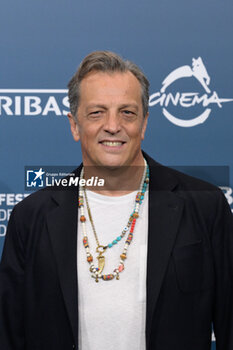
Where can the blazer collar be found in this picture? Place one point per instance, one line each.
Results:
(62, 227)
(165, 211)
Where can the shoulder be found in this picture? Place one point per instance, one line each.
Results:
(35, 202)
(29, 216)
(198, 195)
(167, 178)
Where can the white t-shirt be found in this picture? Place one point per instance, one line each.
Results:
(112, 314)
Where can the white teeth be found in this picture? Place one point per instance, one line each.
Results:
(109, 143)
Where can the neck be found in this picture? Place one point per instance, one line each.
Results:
(117, 181)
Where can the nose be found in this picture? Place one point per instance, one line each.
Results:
(112, 123)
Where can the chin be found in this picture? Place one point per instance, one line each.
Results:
(111, 162)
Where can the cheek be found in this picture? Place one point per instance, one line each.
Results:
(88, 136)
(135, 132)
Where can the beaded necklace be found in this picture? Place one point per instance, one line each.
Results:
(96, 272)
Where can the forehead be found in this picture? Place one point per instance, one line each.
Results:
(105, 85)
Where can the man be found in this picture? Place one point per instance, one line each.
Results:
(74, 277)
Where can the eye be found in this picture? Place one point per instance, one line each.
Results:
(128, 112)
(95, 114)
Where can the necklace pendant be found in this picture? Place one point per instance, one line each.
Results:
(97, 279)
(101, 262)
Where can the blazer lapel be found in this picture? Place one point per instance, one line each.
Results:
(165, 210)
(62, 226)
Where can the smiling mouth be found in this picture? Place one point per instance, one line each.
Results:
(112, 143)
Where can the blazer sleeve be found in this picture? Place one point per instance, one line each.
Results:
(222, 244)
(11, 289)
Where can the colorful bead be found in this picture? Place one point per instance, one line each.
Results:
(129, 238)
(135, 215)
(123, 256)
(85, 242)
(108, 277)
(80, 201)
(82, 218)
(90, 258)
(138, 196)
(110, 245)
(121, 267)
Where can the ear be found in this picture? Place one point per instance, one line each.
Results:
(144, 125)
(73, 127)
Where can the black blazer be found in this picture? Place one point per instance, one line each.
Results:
(189, 268)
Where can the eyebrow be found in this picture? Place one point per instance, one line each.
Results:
(96, 105)
(126, 105)
(129, 105)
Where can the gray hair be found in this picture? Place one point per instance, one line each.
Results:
(105, 61)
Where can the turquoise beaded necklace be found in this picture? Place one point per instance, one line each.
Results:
(96, 272)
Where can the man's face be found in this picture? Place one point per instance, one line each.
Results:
(110, 123)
